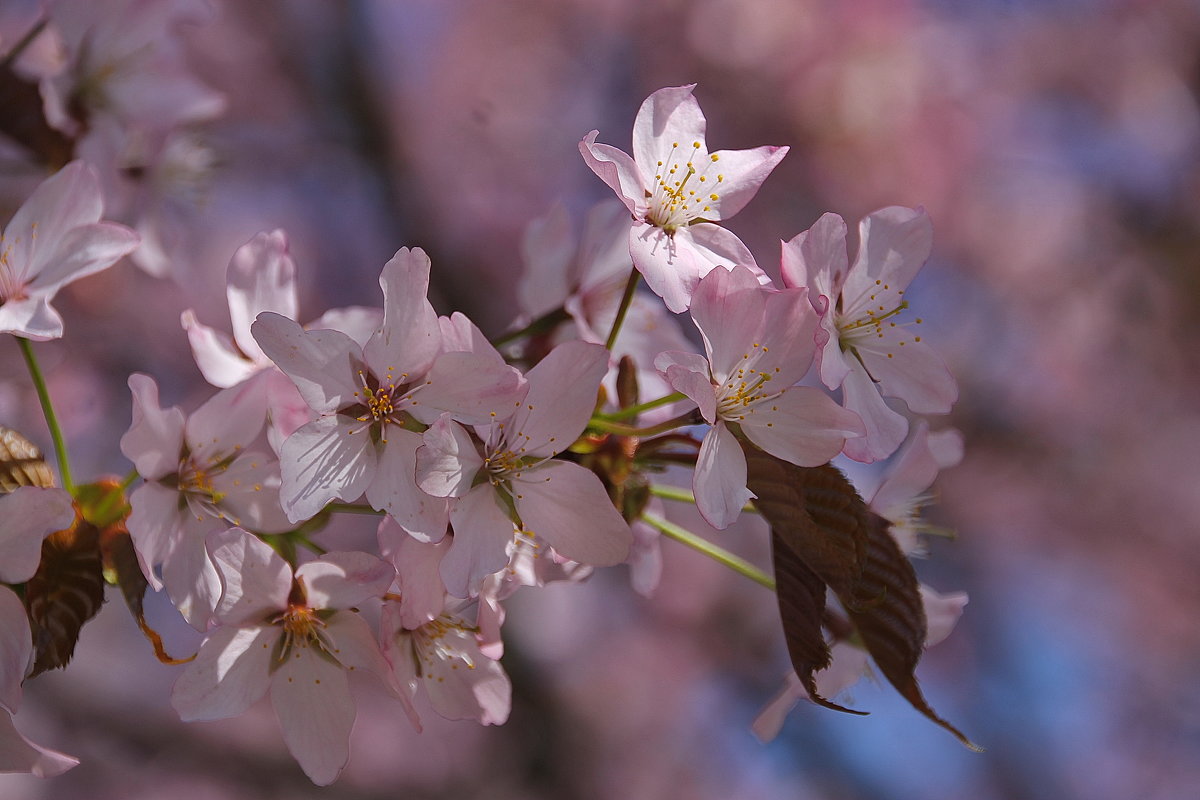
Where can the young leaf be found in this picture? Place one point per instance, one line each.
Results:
(65, 593)
(21, 463)
(801, 596)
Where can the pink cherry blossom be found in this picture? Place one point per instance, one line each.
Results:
(902, 493)
(509, 484)
(201, 474)
(676, 190)
(294, 634)
(55, 237)
(871, 352)
(369, 397)
(759, 344)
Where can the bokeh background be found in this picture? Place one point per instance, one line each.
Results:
(1055, 145)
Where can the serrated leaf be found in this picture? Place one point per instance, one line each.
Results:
(819, 521)
(21, 463)
(66, 592)
(801, 596)
(892, 625)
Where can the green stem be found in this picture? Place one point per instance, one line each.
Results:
(39, 383)
(626, 299)
(633, 411)
(604, 426)
(542, 324)
(739, 565)
(684, 496)
(129, 479)
(353, 508)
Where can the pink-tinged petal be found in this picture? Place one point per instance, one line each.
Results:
(191, 580)
(645, 559)
(345, 579)
(602, 259)
(18, 754)
(743, 172)
(410, 337)
(894, 244)
(16, 648)
(668, 116)
(886, 429)
(27, 516)
(31, 318)
(947, 447)
(674, 265)
(728, 307)
(221, 364)
(562, 395)
(448, 462)
(250, 489)
(803, 425)
(618, 170)
(719, 483)
(155, 439)
(565, 505)
(66, 200)
(286, 410)
(358, 322)
(817, 258)
(255, 580)
(913, 372)
(942, 612)
(688, 373)
(356, 648)
(789, 337)
(323, 364)
(422, 592)
(913, 471)
(395, 491)
(459, 334)
(81, 252)
(547, 251)
(154, 526)
(261, 277)
(833, 364)
(230, 673)
(329, 458)
(473, 388)
(462, 683)
(227, 422)
(482, 533)
(312, 700)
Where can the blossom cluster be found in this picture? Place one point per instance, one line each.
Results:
(492, 465)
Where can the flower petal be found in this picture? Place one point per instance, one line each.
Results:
(562, 394)
(344, 579)
(566, 506)
(227, 422)
(230, 673)
(395, 491)
(688, 373)
(728, 308)
(255, 580)
(482, 533)
(618, 170)
(667, 117)
(215, 353)
(449, 460)
(742, 172)
(27, 516)
(323, 364)
(331, 457)
(422, 592)
(261, 277)
(154, 440)
(886, 429)
(719, 483)
(312, 700)
(18, 754)
(410, 337)
(474, 388)
(803, 425)
(16, 648)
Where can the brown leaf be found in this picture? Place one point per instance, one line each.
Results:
(65, 593)
(890, 618)
(801, 596)
(21, 463)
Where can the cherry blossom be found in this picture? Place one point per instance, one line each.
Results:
(295, 634)
(200, 474)
(372, 400)
(759, 344)
(676, 190)
(55, 237)
(510, 485)
(871, 351)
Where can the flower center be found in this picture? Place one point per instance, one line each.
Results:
(673, 202)
(748, 384)
(382, 401)
(12, 284)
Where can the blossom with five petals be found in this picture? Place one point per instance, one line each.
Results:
(870, 351)
(676, 190)
(296, 634)
(759, 344)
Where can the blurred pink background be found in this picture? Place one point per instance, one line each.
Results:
(1055, 145)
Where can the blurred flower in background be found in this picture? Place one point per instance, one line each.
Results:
(1055, 148)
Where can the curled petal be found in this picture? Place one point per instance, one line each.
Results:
(719, 483)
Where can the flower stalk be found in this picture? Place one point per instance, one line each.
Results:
(718, 554)
(39, 384)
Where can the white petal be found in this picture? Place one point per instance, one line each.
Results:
(155, 439)
(410, 337)
(16, 648)
(422, 591)
(344, 579)
(395, 490)
(191, 580)
(565, 505)
(562, 395)
(18, 754)
(803, 425)
(482, 533)
(227, 422)
(323, 363)
(719, 483)
(255, 580)
(448, 461)
(27, 516)
(261, 277)
(217, 357)
(329, 458)
(229, 674)
(312, 700)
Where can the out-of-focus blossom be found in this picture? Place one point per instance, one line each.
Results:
(759, 344)
(901, 495)
(367, 395)
(869, 351)
(55, 237)
(296, 634)
(675, 189)
(201, 473)
(513, 482)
